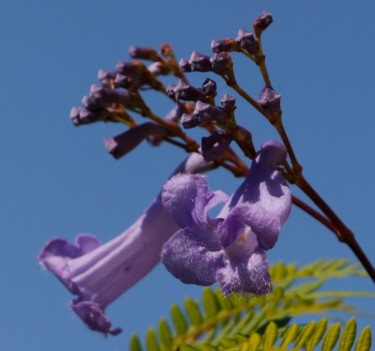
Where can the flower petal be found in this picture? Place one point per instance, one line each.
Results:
(193, 257)
(250, 276)
(58, 253)
(187, 199)
(92, 314)
(264, 185)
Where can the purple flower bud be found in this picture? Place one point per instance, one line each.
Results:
(227, 44)
(228, 102)
(144, 53)
(215, 145)
(199, 62)
(74, 115)
(262, 22)
(209, 113)
(81, 116)
(248, 41)
(122, 81)
(184, 91)
(269, 99)
(106, 77)
(170, 90)
(134, 69)
(209, 87)
(102, 97)
(159, 68)
(125, 142)
(221, 62)
(189, 120)
(185, 65)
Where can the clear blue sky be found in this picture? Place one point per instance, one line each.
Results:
(57, 180)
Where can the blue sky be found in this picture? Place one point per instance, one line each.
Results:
(57, 180)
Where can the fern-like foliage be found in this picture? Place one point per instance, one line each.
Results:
(253, 323)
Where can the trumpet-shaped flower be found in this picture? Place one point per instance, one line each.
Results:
(98, 274)
(229, 249)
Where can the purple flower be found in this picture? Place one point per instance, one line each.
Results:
(98, 274)
(230, 249)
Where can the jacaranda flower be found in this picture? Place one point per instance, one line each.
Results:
(229, 249)
(98, 274)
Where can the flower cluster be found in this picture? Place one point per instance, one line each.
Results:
(229, 249)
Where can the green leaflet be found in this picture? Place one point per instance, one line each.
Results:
(348, 336)
(331, 338)
(243, 322)
(364, 340)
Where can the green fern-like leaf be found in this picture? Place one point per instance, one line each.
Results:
(242, 322)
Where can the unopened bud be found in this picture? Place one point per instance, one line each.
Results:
(185, 65)
(221, 62)
(215, 145)
(131, 69)
(159, 68)
(209, 87)
(106, 77)
(209, 113)
(184, 91)
(228, 102)
(262, 22)
(199, 62)
(189, 120)
(248, 41)
(144, 53)
(227, 44)
(269, 99)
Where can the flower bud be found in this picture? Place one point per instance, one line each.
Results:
(184, 91)
(227, 44)
(189, 120)
(248, 42)
(122, 81)
(106, 77)
(159, 68)
(228, 103)
(144, 53)
(215, 145)
(185, 65)
(209, 87)
(262, 22)
(208, 113)
(221, 62)
(132, 69)
(199, 62)
(269, 99)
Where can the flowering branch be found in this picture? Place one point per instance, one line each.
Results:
(229, 249)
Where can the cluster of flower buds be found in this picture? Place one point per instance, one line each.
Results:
(219, 63)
